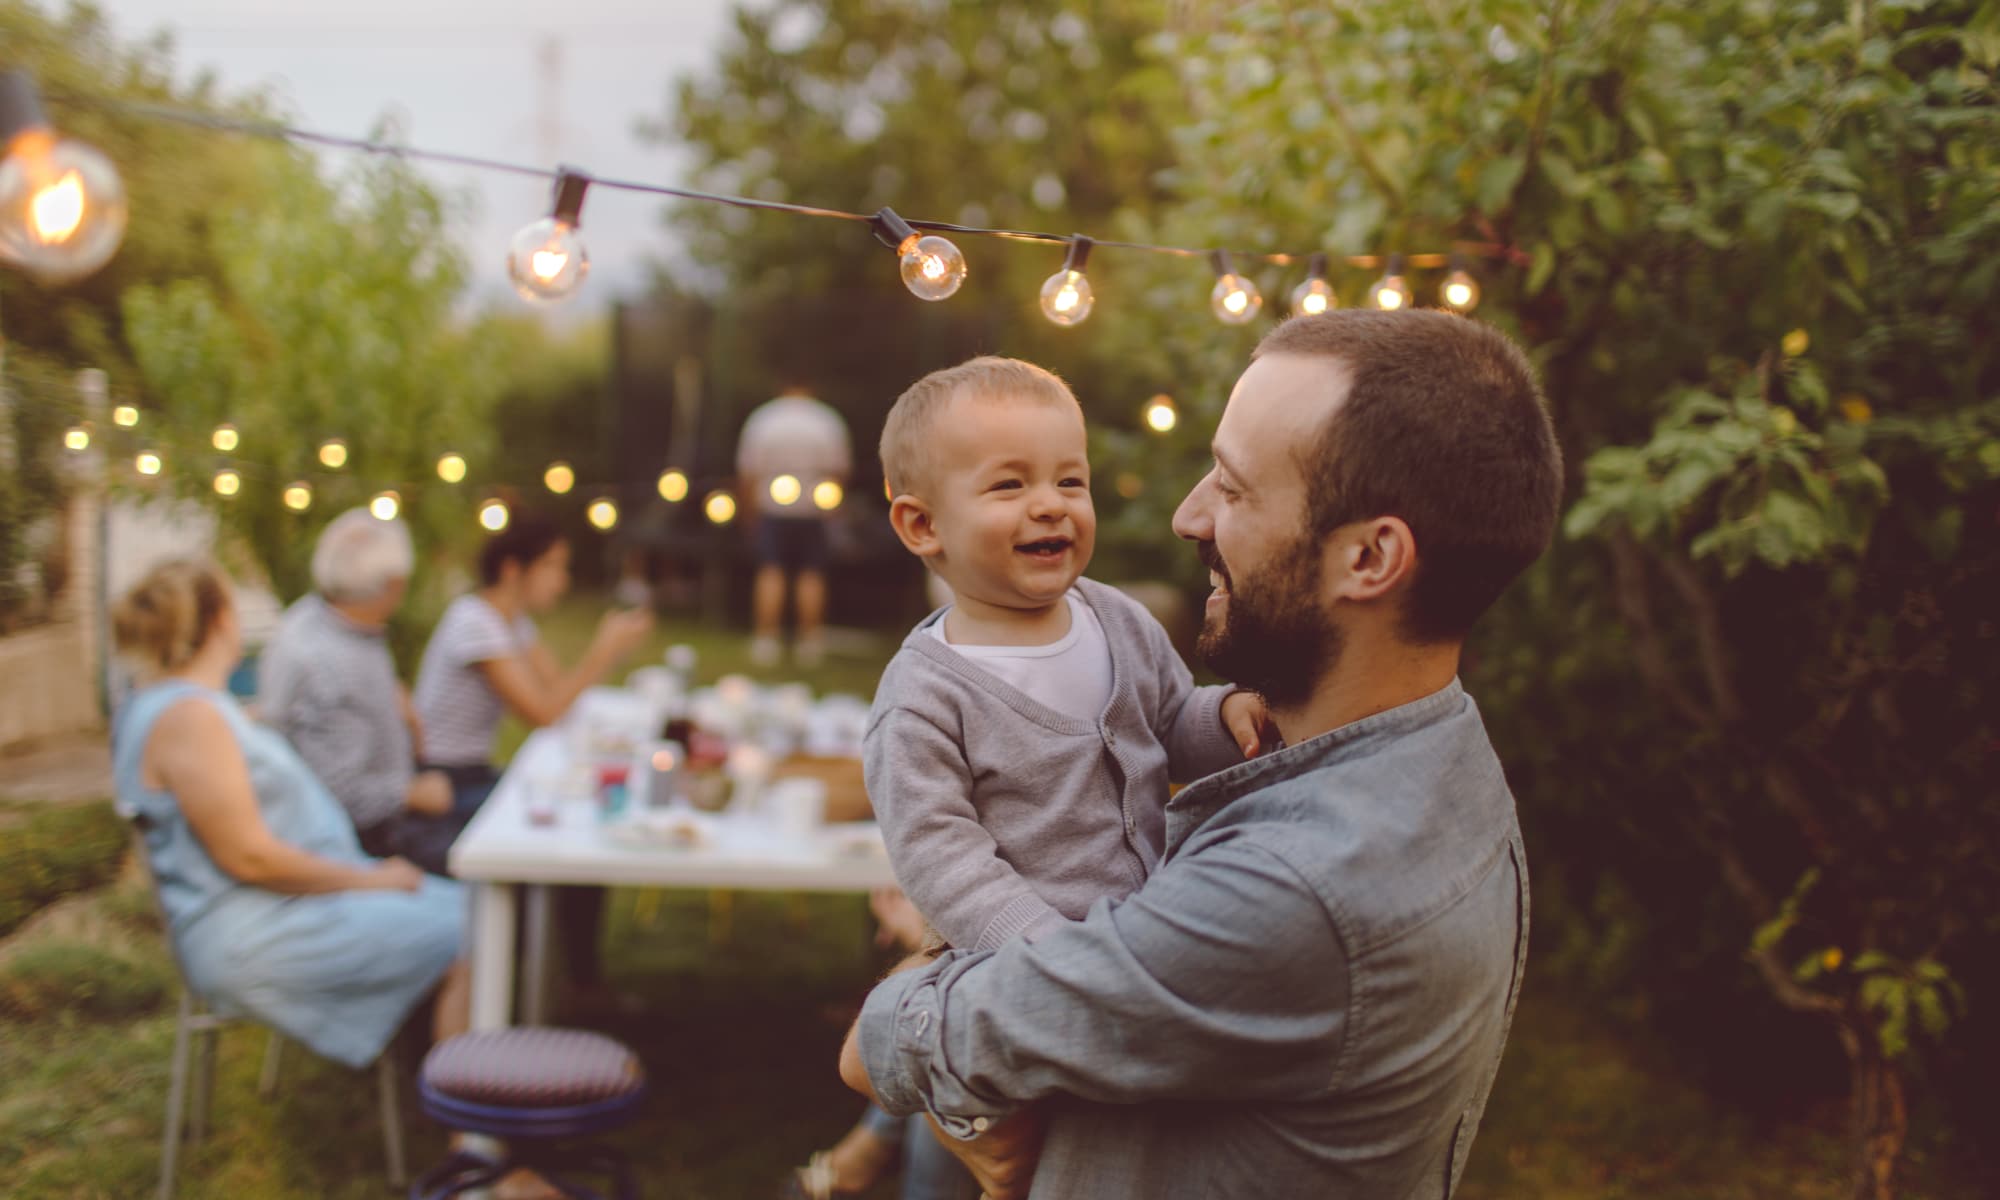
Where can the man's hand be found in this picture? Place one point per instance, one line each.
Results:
(429, 794)
(1002, 1159)
(1244, 715)
(852, 1072)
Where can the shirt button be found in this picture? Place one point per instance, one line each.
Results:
(979, 1124)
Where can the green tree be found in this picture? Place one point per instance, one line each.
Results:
(1754, 249)
(330, 316)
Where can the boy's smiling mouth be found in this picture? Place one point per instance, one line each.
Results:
(1046, 548)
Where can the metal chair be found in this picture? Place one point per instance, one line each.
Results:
(191, 1085)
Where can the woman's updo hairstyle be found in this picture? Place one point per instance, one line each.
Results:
(163, 620)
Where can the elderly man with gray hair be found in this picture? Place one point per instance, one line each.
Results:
(328, 683)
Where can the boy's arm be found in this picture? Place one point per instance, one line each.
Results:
(1188, 721)
(921, 788)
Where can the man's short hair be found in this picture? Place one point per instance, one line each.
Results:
(359, 555)
(911, 428)
(1445, 427)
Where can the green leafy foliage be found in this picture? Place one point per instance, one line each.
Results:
(52, 852)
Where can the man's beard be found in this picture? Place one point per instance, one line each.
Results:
(1274, 637)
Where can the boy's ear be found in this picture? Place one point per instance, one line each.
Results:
(911, 519)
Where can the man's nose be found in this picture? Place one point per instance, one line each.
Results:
(1193, 520)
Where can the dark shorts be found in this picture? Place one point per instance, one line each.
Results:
(794, 543)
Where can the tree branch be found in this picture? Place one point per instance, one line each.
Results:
(1341, 117)
(1649, 647)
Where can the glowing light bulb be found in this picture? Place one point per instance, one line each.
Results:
(719, 508)
(125, 416)
(1315, 295)
(493, 516)
(228, 483)
(333, 454)
(78, 438)
(1460, 290)
(827, 495)
(385, 506)
(224, 438)
(785, 490)
(1161, 415)
(451, 468)
(547, 261)
(1392, 291)
(299, 496)
(147, 463)
(932, 267)
(602, 513)
(559, 478)
(673, 486)
(1066, 295)
(62, 205)
(1234, 299)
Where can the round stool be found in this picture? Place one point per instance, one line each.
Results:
(540, 1090)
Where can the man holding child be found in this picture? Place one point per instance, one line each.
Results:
(1309, 992)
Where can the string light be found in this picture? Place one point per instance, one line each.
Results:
(546, 260)
(385, 506)
(1161, 415)
(559, 478)
(147, 463)
(77, 438)
(1460, 290)
(827, 495)
(673, 486)
(228, 483)
(299, 496)
(785, 490)
(1066, 295)
(1234, 299)
(62, 205)
(719, 507)
(224, 438)
(933, 268)
(1315, 295)
(1392, 291)
(333, 454)
(493, 516)
(125, 416)
(602, 513)
(451, 468)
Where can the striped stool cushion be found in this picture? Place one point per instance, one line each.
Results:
(533, 1068)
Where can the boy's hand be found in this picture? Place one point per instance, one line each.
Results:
(1244, 715)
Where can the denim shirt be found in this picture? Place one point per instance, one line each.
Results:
(1309, 998)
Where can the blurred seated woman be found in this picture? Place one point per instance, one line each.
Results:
(274, 911)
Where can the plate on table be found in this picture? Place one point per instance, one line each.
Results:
(677, 829)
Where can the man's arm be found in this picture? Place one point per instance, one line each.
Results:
(1223, 977)
(947, 863)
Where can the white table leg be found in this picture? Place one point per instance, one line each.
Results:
(535, 955)
(493, 956)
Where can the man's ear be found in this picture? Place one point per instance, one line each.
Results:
(911, 519)
(1372, 559)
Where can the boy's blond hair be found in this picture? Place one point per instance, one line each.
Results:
(909, 434)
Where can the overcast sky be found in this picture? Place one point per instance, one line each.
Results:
(465, 76)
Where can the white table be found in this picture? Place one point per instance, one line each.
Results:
(501, 850)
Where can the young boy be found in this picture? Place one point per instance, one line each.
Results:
(1022, 740)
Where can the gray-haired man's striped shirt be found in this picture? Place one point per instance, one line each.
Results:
(329, 685)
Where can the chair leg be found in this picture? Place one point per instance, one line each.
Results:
(170, 1143)
(392, 1118)
(267, 1079)
(203, 1084)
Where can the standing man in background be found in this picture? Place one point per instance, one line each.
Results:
(788, 449)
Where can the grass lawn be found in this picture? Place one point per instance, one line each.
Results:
(744, 998)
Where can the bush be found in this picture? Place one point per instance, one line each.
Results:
(54, 852)
(59, 975)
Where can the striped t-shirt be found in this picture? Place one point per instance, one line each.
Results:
(459, 709)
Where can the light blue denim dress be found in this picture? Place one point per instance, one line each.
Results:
(339, 971)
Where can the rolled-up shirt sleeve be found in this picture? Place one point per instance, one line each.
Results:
(1223, 978)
